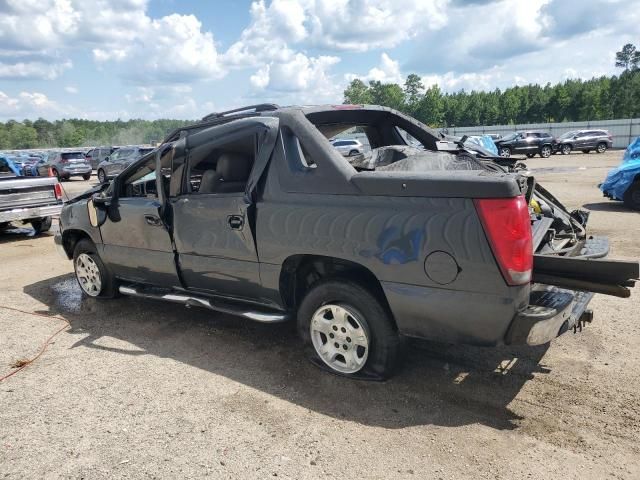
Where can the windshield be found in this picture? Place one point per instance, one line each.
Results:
(568, 135)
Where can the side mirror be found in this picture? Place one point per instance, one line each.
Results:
(100, 201)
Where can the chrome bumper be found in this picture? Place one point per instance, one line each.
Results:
(30, 212)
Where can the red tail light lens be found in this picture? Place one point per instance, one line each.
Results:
(507, 225)
(58, 191)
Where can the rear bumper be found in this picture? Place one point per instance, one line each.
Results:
(30, 212)
(70, 172)
(551, 312)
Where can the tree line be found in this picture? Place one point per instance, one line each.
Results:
(77, 132)
(601, 98)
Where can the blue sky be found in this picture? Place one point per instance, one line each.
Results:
(108, 59)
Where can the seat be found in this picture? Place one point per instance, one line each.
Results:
(231, 174)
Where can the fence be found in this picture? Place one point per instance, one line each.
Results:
(624, 131)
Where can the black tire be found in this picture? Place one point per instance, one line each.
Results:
(353, 152)
(382, 336)
(631, 197)
(56, 174)
(86, 177)
(566, 149)
(41, 225)
(504, 152)
(102, 177)
(530, 155)
(586, 151)
(108, 282)
(545, 151)
(4, 225)
(601, 147)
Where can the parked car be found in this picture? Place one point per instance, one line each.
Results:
(11, 166)
(623, 182)
(28, 200)
(253, 212)
(347, 146)
(65, 164)
(585, 140)
(119, 160)
(97, 155)
(529, 143)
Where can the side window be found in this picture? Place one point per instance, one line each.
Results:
(222, 169)
(4, 167)
(142, 181)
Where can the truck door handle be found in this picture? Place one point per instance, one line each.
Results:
(236, 222)
(153, 220)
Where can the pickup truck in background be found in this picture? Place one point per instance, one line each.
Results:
(31, 200)
(253, 212)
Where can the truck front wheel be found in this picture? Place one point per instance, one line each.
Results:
(347, 330)
(92, 275)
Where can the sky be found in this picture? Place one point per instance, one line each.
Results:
(110, 59)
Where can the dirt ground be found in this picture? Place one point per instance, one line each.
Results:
(141, 389)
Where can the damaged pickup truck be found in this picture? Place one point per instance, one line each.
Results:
(253, 212)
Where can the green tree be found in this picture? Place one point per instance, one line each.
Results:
(357, 93)
(628, 58)
(387, 94)
(413, 91)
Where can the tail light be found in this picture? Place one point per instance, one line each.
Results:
(57, 188)
(610, 137)
(507, 225)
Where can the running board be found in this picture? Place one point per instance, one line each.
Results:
(192, 301)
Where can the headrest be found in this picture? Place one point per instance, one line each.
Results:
(233, 167)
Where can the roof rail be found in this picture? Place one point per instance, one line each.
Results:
(260, 107)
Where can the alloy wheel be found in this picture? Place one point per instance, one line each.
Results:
(88, 275)
(340, 338)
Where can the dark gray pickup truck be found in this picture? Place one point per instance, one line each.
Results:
(252, 212)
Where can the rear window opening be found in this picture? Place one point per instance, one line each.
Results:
(72, 156)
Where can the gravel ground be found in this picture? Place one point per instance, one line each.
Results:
(141, 389)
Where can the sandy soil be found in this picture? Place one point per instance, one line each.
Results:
(140, 389)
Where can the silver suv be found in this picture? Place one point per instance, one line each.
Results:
(119, 160)
(348, 147)
(65, 164)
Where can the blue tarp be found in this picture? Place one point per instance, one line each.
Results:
(484, 141)
(620, 178)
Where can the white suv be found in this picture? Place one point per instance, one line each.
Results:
(347, 147)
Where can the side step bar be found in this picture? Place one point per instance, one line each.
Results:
(193, 301)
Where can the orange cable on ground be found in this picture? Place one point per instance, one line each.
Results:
(26, 363)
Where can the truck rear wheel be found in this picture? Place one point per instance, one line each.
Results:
(93, 276)
(347, 331)
(41, 225)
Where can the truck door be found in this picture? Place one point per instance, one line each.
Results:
(213, 211)
(137, 244)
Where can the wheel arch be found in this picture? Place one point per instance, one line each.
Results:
(300, 272)
(70, 239)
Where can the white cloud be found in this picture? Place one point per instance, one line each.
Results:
(330, 24)
(71, 89)
(171, 49)
(299, 79)
(32, 70)
(388, 71)
(27, 105)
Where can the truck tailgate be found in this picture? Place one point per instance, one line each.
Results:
(27, 192)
